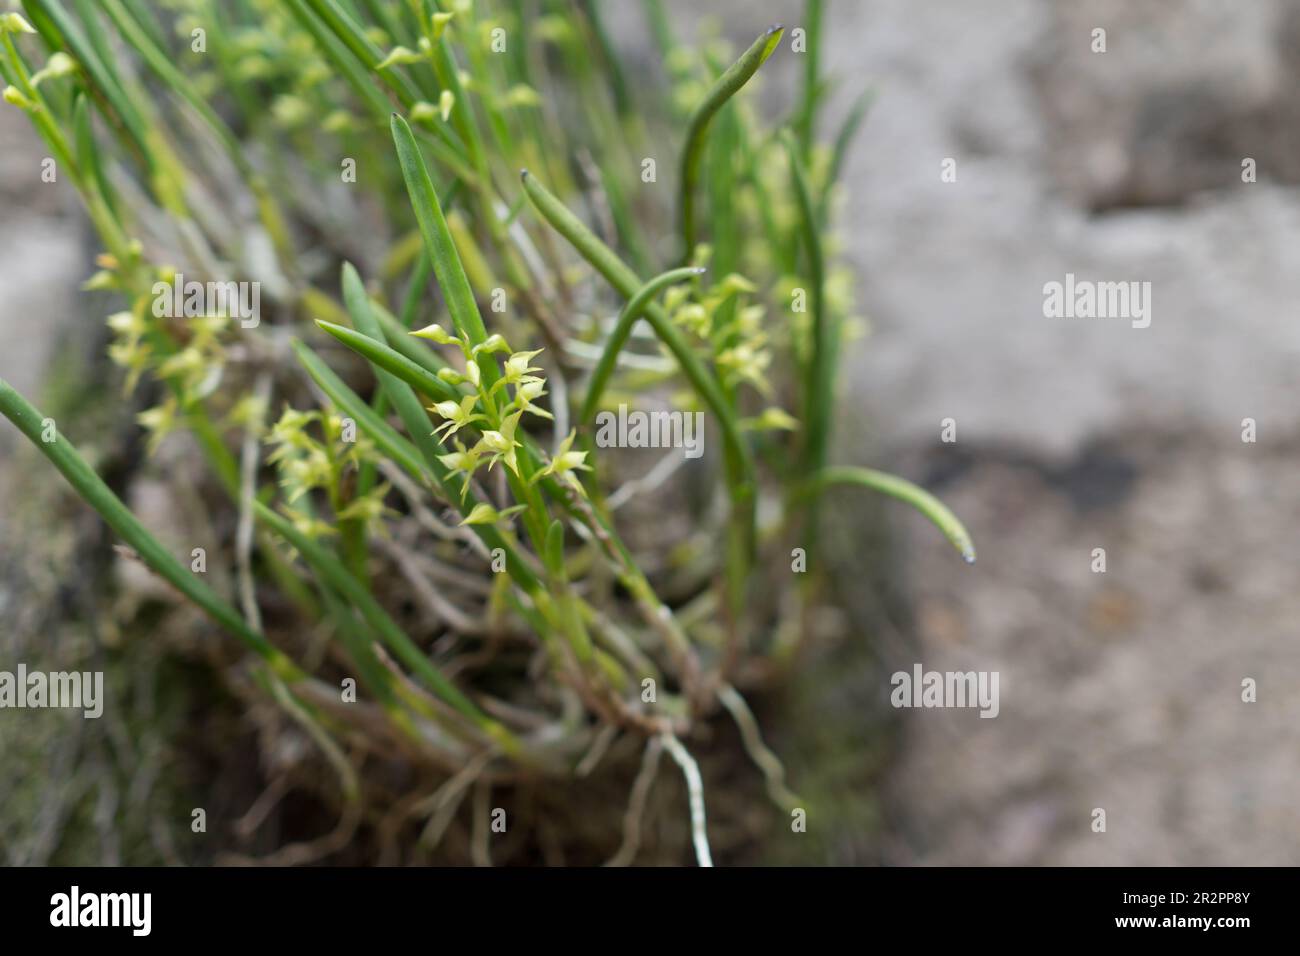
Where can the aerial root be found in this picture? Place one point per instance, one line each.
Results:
(695, 790)
(766, 761)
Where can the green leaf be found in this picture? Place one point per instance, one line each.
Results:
(174, 79)
(91, 487)
(618, 338)
(350, 33)
(88, 158)
(394, 362)
(438, 244)
(806, 122)
(726, 86)
(904, 490)
(52, 20)
(819, 374)
(843, 140)
(555, 550)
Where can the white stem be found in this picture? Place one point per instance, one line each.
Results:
(695, 788)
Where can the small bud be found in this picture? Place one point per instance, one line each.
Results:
(339, 121)
(15, 98)
(423, 112)
(100, 281)
(437, 334)
(484, 513)
(773, 419)
(125, 323)
(493, 343)
(58, 65)
(736, 283)
(522, 95)
(14, 23)
(399, 55)
(291, 111)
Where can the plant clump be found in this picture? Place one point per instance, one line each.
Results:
(404, 432)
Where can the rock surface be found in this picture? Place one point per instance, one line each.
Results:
(1120, 690)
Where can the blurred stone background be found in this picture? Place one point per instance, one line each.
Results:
(1119, 690)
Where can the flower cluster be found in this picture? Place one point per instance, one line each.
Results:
(502, 393)
(308, 463)
(724, 317)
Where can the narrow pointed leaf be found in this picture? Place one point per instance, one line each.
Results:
(438, 243)
(618, 338)
(902, 489)
(726, 86)
(394, 362)
(819, 374)
(99, 496)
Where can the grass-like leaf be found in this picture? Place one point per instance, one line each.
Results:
(117, 516)
(725, 87)
(806, 121)
(902, 489)
(618, 338)
(60, 30)
(354, 38)
(843, 140)
(392, 361)
(438, 243)
(819, 372)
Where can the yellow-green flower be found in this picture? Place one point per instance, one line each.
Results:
(457, 415)
(564, 463)
(160, 421)
(501, 443)
(463, 462)
(484, 513)
(771, 419)
(436, 333)
(527, 390)
(368, 507)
